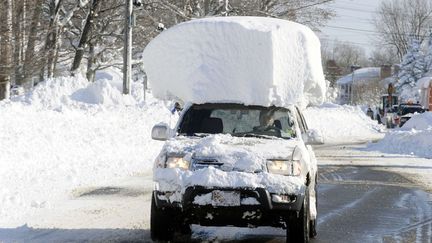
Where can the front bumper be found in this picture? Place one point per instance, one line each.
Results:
(268, 209)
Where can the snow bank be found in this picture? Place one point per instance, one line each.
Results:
(419, 121)
(75, 92)
(69, 133)
(413, 138)
(249, 60)
(343, 124)
(413, 142)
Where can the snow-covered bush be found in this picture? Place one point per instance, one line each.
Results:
(413, 68)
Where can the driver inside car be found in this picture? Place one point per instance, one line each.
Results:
(267, 121)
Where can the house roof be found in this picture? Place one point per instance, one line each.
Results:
(361, 75)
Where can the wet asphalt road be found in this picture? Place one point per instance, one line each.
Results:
(357, 204)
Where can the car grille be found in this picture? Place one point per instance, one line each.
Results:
(200, 163)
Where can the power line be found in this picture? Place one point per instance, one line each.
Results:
(371, 31)
(357, 4)
(372, 12)
(346, 41)
(355, 10)
(354, 17)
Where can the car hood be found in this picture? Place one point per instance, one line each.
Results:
(231, 153)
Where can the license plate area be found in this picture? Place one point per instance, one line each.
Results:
(225, 198)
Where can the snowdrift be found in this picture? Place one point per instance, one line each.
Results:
(68, 133)
(414, 138)
(419, 121)
(343, 124)
(250, 60)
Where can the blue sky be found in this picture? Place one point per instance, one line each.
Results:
(352, 23)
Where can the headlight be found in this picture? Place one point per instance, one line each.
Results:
(177, 162)
(284, 167)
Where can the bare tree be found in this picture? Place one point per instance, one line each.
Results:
(85, 35)
(5, 48)
(344, 54)
(398, 21)
(30, 61)
(383, 56)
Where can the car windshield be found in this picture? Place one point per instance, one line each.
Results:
(238, 120)
(412, 109)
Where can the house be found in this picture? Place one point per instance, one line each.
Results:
(364, 85)
(425, 86)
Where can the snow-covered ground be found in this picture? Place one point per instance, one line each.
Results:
(69, 133)
(343, 124)
(414, 138)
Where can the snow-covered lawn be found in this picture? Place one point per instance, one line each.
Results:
(51, 142)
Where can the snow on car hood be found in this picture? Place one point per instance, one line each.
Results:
(241, 157)
(237, 153)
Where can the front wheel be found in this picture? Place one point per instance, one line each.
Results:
(162, 226)
(298, 229)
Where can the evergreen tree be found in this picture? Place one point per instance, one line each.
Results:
(413, 68)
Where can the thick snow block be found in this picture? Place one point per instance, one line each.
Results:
(250, 60)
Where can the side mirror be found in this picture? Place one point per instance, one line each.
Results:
(313, 137)
(160, 132)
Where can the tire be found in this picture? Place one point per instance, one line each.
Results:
(162, 226)
(313, 223)
(298, 230)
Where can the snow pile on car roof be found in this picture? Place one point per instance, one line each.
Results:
(413, 138)
(249, 60)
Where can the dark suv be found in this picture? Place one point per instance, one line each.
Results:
(236, 165)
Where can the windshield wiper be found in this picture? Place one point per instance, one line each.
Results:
(200, 135)
(254, 135)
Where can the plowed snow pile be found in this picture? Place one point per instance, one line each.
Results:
(343, 124)
(414, 138)
(250, 60)
(69, 133)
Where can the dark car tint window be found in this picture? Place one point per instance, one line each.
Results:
(407, 110)
(238, 120)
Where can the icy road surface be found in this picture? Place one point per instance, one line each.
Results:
(363, 197)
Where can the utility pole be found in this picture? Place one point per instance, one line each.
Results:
(127, 52)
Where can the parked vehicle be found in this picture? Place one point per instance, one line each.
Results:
(232, 164)
(406, 111)
(16, 90)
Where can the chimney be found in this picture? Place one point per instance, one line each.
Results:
(386, 71)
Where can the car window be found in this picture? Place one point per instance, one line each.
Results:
(301, 122)
(239, 120)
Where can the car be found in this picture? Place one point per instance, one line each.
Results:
(16, 90)
(229, 164)
(407, 110)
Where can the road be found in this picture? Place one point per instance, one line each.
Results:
(363, 197)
